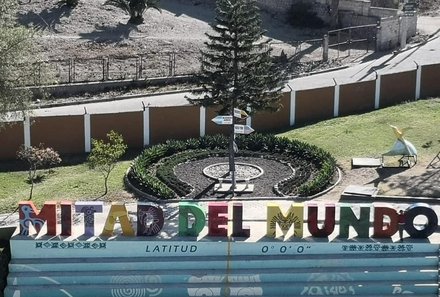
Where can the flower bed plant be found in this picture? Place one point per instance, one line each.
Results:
(152, 171)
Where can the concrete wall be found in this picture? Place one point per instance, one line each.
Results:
(361, 7)
(385, 3)
(272, 121)
(392, 28)
(69, 134)
(211, 127)
(12, 137)
(397, 88)
(314, 105)
(430, 84)
(63, 133)
(382, 12)
(349, 18)
(388, 35)
(357, 97)
(174, 123)
(129, 125)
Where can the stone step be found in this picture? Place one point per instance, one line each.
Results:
(232, 276)
(221, 288)
(239, 262)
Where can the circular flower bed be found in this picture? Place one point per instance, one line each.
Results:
(153, 171)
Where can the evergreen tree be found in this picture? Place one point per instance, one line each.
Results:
(237, 68)
(15, 50)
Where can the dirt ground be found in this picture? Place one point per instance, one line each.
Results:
(93, 30)
(421, 180)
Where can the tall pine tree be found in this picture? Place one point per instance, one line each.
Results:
(237, 68)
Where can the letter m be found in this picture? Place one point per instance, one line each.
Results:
(295, 216)
(29, 215)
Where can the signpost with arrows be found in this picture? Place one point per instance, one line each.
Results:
(237, 129)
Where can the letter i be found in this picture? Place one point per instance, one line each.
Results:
(66, 218)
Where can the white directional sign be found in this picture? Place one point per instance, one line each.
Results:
(243, 129)
(241, 114)
(223, 120)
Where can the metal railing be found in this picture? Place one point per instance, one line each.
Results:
(355, 37)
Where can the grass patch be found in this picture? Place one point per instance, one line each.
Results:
(365, 135)
(369, 134)
(76, 182)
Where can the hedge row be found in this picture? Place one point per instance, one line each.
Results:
(153, 170)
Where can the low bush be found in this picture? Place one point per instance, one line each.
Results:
(153, 170)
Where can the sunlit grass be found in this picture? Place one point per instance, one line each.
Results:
(365, 135)
(369, 134)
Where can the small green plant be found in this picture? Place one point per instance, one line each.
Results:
(37, 157)
(104, 156)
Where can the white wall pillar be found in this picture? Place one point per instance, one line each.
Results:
(249, 119)
(202, 121)
(418, 81)
(336, 100)
(27, 131)
(292, 106)
(377, 93)
(146, 126)
(87, 133)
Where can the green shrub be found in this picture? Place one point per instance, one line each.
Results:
(153, 170)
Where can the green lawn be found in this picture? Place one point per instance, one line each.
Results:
(76, 182)
(369, 135)
(366, 135)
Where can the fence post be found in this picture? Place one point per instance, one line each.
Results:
(336, 99)
(418, 80)
(140, 66)
(377, 93)
(349, 42)
(103, 69)
(202, 121)
(325, 42)
(39, 74)
(146, 124)
(170, 64)
(249, 119)
(73, 70)
(292, 106)
(403, 33)
(339, 42)
(27, 131)
(378, 36)
(87, 132)
(69, 79)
